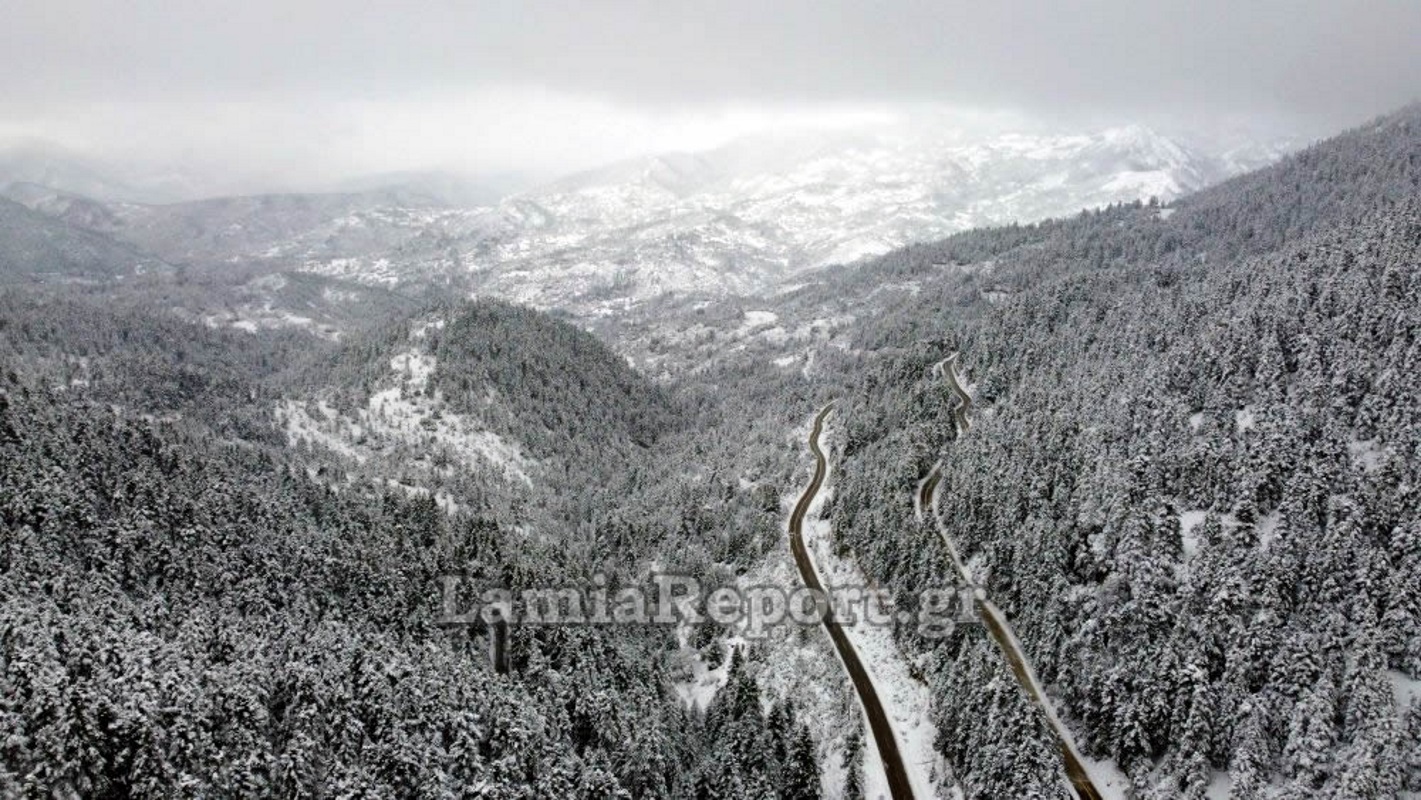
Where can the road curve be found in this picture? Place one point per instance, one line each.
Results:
(925, 492)
(948, 368)
(898, 785)
(992, 616)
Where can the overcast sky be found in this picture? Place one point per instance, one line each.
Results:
(321, 88)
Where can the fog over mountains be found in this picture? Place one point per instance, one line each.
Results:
(790, 401)
(740, 219)
(1169, 447)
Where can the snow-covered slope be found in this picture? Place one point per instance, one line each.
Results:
(740, 220)
(745, 217)
(407, 429)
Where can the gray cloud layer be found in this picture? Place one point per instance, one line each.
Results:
(1335, 59)
(137, 67)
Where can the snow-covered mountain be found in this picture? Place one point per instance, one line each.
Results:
(739, 220)
(72, 172)
(60, 170)
(748, 216)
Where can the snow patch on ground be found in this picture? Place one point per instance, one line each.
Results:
(1406, 689)
(403, 417)
(1188, 521)
(702, 682)
(856, 250)
(1245, 419)
(409, 425)
(755, 320)
(1368, 454)
(442, 498)
(415, 367)
(1112, 783)
(1267, 528)
(422, 330)
(1220, 786)
(251, 318)
(911, 288)
(807, 370)
(301, 426)
(1154, 183)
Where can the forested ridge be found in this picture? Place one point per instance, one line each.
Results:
(186, 611)
(1191, 484)
(34, 246)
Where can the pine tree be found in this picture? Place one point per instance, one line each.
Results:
(853, 762)
(800, 777)
(1312, 734)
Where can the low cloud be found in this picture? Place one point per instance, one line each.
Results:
(263, 91)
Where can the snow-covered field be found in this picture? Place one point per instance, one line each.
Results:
(252, 317)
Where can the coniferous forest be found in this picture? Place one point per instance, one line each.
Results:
(1192, 482)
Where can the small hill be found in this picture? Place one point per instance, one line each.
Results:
(38, 247)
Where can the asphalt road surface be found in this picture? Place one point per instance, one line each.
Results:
(898, 785)
(997, 625)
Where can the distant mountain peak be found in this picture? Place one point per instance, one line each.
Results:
(739, 219)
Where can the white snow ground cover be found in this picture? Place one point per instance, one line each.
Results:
(1246, 419)
(905, 699)
(402, 417)
(1188, 521)
(1406, 689)
(1368, 455)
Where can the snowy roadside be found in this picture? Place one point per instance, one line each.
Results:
(1105, 776)
(904, 698)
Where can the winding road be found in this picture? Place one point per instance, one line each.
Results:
(898, 784)
(948, 369)
(925, 493)
(993, 617)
